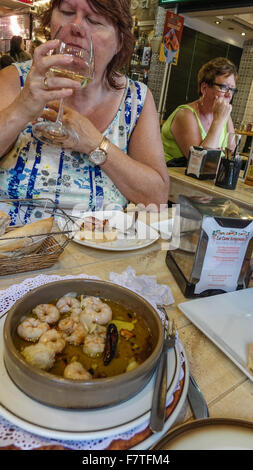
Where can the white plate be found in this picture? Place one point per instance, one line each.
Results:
(210, 434)
(145, 235)
(164, 227)
(58, 423)
(227, 320)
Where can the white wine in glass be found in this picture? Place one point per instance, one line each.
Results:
(78, 77)
(81, 69)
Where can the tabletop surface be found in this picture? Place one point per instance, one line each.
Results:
(227, 390)
(243, 194)
(248, 133)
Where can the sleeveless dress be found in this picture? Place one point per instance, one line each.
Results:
(33, 169)
(171, 149)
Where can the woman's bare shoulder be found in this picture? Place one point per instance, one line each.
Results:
(9, 85)
(185, 115)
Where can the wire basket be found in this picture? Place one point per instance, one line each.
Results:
(45, 249)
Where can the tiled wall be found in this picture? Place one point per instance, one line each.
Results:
(243, 101)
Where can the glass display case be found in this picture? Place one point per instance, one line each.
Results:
(214, 249)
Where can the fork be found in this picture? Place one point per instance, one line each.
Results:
(132, 230)
(158, 406)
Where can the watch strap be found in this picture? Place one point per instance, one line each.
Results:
(104, 145)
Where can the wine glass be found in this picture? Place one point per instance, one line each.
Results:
(76, 42)
(231, 145)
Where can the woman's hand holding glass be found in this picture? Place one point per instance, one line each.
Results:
(34, 96)
(78, 70)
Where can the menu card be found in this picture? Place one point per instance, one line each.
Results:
(224, 256)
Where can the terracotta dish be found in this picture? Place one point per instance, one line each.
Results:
(58, 391)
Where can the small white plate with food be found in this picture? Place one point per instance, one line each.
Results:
(109, 230)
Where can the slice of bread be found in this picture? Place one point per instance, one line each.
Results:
(96, 230)
(10, 241)
(96, 235)
(5, 221)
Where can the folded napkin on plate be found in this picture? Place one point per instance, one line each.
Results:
(156, 294)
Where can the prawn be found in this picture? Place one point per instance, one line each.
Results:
(31, 329)
(73, 332)
(53, 339)
(96, 311)
(39, 355)
(75, 314)
(66, 325)
(94, 343)
(90, 301)
(48, 313)
(76, 371)
(68, 303)
(77, 335)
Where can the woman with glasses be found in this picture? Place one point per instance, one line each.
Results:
(205, 122)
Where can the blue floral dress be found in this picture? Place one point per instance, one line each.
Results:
(34, 170)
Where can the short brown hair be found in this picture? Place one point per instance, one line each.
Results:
(118, 11)
(214, 68)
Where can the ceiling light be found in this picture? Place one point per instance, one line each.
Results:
(217, 22)
(243, 34)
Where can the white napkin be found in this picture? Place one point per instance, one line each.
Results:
(156, 294)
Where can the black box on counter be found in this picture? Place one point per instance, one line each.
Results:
(203, 163)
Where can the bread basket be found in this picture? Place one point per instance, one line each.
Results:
(43, 250)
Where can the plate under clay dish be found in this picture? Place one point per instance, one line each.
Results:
(67, 424)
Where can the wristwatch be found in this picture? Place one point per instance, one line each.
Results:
(99, 155)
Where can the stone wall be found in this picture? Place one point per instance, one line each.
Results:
(157, 68)
(243, 101)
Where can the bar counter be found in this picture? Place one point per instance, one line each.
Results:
(189, 186)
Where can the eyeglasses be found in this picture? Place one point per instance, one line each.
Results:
(225, 88)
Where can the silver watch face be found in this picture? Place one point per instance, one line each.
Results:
(97, 156)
